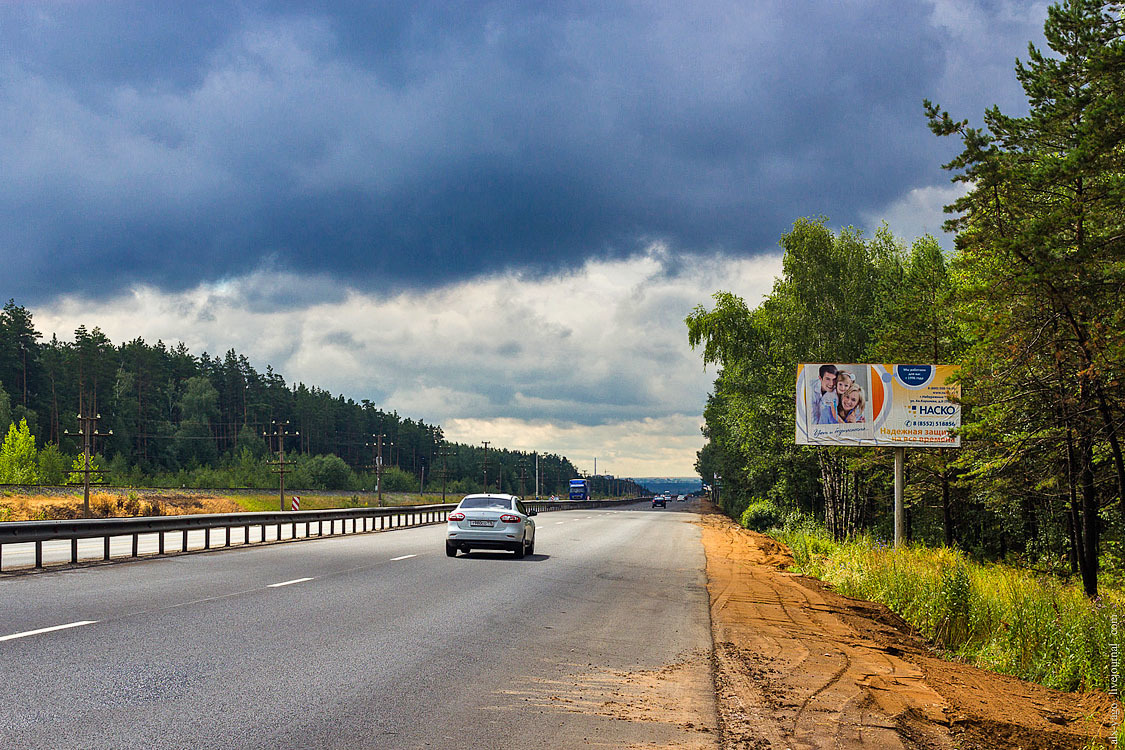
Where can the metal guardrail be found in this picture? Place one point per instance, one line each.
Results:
(363, 520)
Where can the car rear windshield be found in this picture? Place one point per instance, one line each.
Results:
(486, 502)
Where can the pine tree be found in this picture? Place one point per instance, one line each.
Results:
(1042, 235)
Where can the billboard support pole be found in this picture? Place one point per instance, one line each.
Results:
(900, 481)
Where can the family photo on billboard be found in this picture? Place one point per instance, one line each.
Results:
(837, 401)
(877, 404)
(838, 395)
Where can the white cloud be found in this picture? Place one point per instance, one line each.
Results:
(635, 448)
(919, 212)
(589, 363)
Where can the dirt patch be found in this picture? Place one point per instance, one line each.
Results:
(800, 666)
(676, 695)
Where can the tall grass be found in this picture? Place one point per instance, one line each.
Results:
(995, 616)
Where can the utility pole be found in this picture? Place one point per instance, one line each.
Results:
(444, 472)
(280, 432)
(88, 429)
(486, 466)
(537, 475)
(377, 459)
(523, 478)
(23, 349)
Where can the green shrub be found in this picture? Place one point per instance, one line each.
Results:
(53, 465)
(329, 472)
(397, 480)
(761, 515)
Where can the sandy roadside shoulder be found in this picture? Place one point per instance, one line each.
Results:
(799, 666)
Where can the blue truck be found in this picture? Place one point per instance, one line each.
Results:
(579, 489)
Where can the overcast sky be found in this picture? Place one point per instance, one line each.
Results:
(492, 216)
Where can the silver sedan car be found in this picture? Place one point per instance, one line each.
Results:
(490, 522)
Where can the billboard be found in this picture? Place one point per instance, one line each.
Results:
(877, 405)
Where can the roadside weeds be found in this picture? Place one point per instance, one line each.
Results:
(800, 666)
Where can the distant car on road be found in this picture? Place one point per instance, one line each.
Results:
(490, 522)
(659, 501)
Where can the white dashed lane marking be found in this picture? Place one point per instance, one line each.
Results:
(288, 583)
(26, 633)
(404, 557)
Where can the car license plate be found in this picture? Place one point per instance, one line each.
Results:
(481, 523)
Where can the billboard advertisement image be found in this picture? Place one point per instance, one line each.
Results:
(877, 405)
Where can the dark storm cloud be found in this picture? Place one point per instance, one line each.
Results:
(412, 143)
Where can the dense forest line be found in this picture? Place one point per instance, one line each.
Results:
(1029, 307)
(178, 419)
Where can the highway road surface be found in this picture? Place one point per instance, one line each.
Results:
(368, 641)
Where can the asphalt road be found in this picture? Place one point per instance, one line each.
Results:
(366, 641)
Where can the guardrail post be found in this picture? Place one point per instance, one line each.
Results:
(106, 551)
(136, 543)
(228, 536)
(73, 551)
(39, 554)
(183, 542)
(207, 538)
(160, 544)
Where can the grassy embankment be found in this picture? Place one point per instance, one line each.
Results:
(995, 616)
(47, 506)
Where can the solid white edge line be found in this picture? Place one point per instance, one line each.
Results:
(25, 634)
(404, 557)
(287, 583)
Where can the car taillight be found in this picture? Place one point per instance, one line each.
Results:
(509, 518)
(456, 516)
